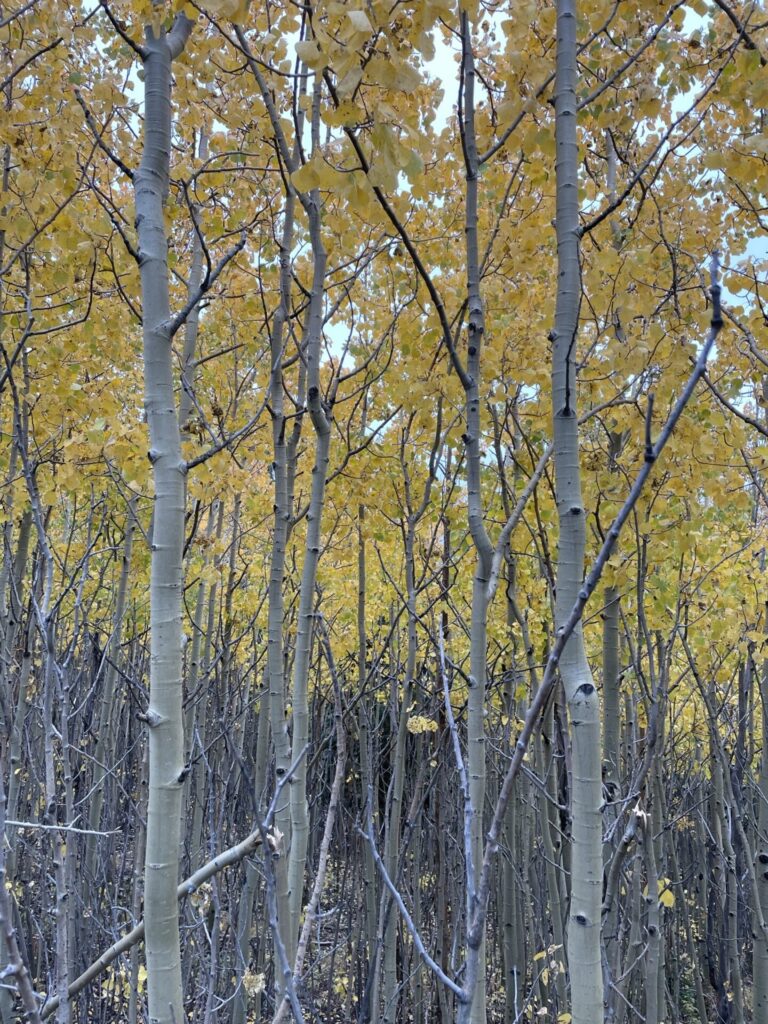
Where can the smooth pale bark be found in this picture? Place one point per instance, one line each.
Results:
(476, 768)
(300, 692)
(284, 448)
(581, 695)
(164, 715)
(283, 455)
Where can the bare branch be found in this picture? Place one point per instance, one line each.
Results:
(98, 134)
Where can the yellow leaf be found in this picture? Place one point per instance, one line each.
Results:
(307, 177)
(346, 113)
(226, 8)
(384, 166)
(392, 75)
(360, 22)
(311, 54)
(349, 83)
(666, 896)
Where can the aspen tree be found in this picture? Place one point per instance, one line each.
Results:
(321, 423)
(581, 694)
(476, 755)
(164, 715)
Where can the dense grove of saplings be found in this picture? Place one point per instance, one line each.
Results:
(401, 660)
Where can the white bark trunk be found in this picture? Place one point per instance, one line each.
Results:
(300, 694)
(164, 716)
(581, 695)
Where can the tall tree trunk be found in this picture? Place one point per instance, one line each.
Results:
(581, 694)
(283, 468)
(484, 551)
(164, 715)
(300, 692)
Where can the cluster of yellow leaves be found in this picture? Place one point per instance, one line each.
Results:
(666, 896)
(118, 980)
(253, 982)
(418, 724)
